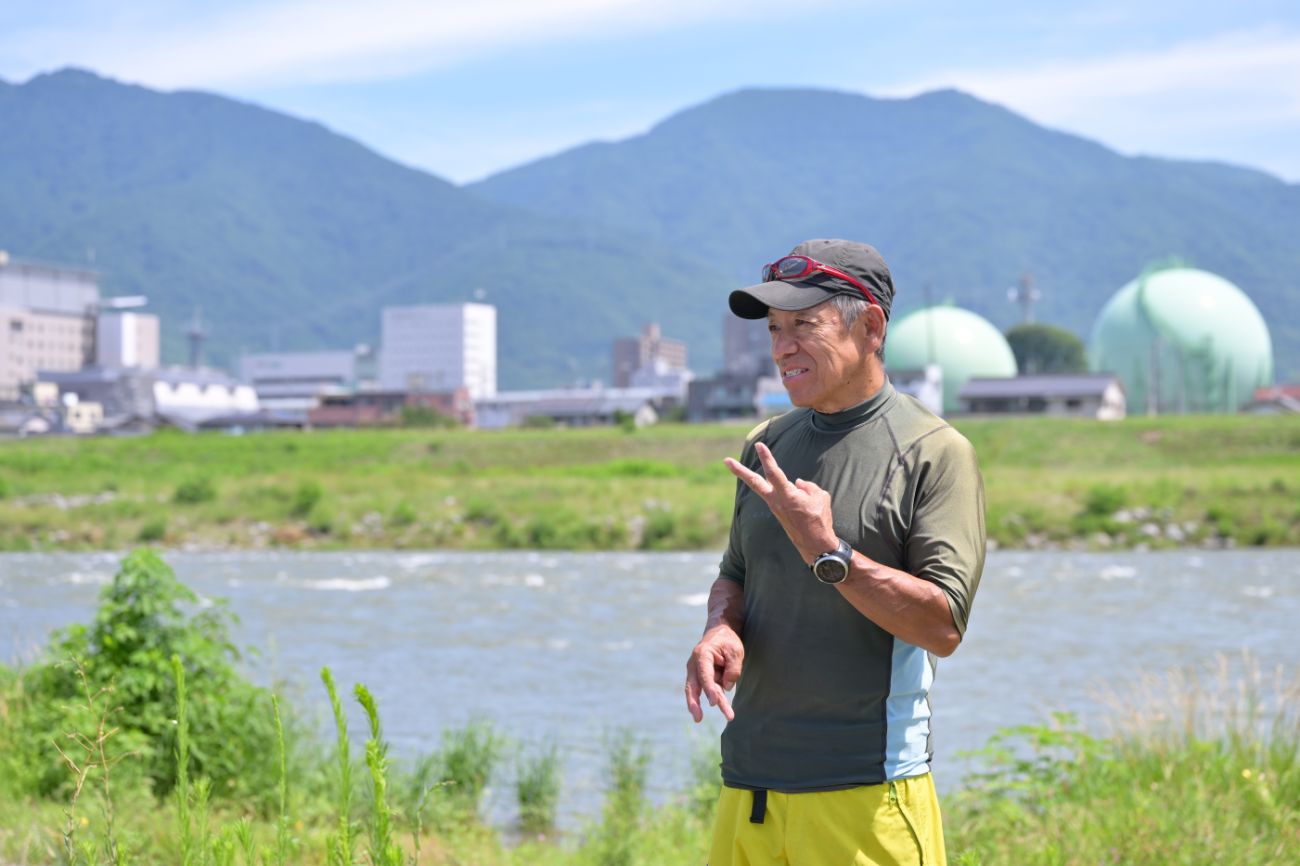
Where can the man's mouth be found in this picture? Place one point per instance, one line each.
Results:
(792, 372)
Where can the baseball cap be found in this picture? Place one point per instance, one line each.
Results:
(860, 261)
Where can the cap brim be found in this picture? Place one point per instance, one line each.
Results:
(753, 302)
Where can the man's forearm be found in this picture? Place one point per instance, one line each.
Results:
(902, 604)
(726, 605)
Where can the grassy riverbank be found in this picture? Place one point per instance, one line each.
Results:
(1200, 480)
(134, 740)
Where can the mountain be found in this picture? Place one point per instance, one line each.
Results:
(287, 235)
(960, 196)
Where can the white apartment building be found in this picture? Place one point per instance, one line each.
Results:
(439, 347)
(45, 321)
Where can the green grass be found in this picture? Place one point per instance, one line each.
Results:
(1196, 480)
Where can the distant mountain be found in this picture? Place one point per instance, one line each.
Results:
(960, 196)
(288, 235)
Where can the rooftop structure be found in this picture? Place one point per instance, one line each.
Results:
(1092, 395)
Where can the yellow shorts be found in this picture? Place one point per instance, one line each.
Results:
(873, 825)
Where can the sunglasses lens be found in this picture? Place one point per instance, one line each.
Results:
(791, 267)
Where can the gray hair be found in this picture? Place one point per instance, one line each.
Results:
(851, 309)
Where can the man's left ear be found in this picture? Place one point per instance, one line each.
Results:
(875, 322)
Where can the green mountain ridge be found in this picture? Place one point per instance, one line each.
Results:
(961, 196)
(288, 235)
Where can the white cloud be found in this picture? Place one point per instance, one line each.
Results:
(1235, 93)
(321, 41)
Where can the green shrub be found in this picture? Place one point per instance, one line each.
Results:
(194, 491)
(320, 521)
(660, 528)
(153, 531)
(615, 841)
(1103, 500)
(305, 498)
(468, 758)
(403, 515)
(537, 788)
(425, 416)
(141, 622)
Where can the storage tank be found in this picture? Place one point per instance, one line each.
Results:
(962, 343)
(1182, 340)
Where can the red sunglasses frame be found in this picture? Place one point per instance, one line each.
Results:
(772, 272)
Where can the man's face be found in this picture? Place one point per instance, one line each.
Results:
(823, 364)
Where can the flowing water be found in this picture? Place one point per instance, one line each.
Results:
(576, 647)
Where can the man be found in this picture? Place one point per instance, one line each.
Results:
(826, 756)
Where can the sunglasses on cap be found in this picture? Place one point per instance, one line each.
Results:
(798, 267)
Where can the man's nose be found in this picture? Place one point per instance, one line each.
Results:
(782, 345)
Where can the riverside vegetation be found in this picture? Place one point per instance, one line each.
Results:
(135, 740)
(1216, 480)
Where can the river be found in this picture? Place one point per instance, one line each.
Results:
(578, 646)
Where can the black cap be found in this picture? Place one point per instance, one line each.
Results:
(859, 261)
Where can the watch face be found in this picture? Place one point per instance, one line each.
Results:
(831, 569)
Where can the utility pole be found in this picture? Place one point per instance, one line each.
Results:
(1026, 296)
(195, 335)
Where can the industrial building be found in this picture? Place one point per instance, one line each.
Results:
(295, 382)
(962, 344)
(1183, 340)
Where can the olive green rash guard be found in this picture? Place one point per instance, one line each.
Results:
(827, 699)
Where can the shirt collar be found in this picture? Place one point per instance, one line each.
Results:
(854, 416)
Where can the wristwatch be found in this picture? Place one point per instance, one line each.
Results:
(833, 567)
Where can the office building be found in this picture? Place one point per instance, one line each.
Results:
(439, 347)
(650, 351)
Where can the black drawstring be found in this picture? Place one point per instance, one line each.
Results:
(760, 807)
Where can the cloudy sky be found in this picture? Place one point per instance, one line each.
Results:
(467, 87)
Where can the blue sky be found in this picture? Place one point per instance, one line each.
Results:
(467, 87)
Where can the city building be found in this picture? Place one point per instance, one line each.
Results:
(126, 339)
(652, 352)
(371, 408)
(439, 348)
(296, 381)
(1082, 395)
(573, 407)
(45, 321)
(180, 396)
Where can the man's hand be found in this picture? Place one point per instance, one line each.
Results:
(712, 670)
(802, 508)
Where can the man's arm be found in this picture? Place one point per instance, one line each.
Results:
(715, 663)
(904, 605)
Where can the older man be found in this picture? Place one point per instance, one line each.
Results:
(857, 544)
